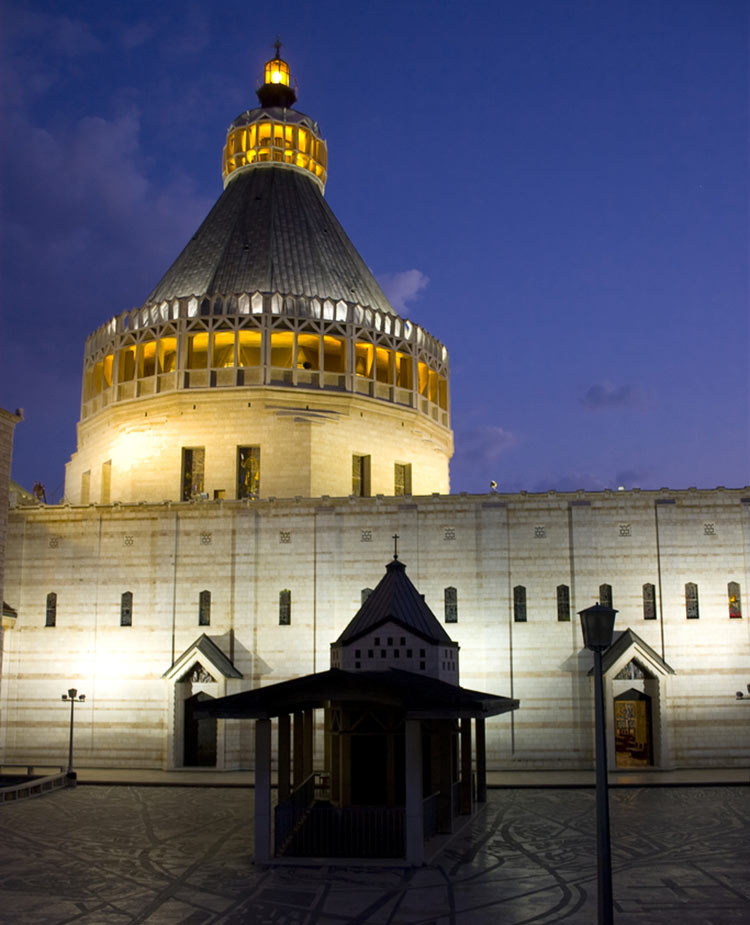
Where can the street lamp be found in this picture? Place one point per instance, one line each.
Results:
(598, 623)
(72, 696)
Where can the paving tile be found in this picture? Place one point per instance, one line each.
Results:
(122, 854)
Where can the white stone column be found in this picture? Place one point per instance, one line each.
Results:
(414, 812)
(262, 790)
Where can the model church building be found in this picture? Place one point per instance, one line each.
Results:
(250, 440)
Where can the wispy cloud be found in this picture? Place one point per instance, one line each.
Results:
(402, 287)
(605, 396)
(485, 444)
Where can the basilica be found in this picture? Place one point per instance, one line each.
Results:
(251, 439)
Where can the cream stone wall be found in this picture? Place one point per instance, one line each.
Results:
(325, 551)
(307, 440)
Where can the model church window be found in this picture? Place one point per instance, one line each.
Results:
(451, 605)
(193, 464)
(402, 479)
(563, 604)
(649, 601)
(126, 609)
(51, 612)
(248, 472)
(204, 608)
(691, 601)
(519, 604)
(605, 595)
(361, 476)
(285, 607)
(735, 604)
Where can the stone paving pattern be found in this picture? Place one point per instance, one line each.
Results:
(127, 854)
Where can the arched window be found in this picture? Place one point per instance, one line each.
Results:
(563, 604)
(51, 612)
(204, 608)
(519, 604)
(605, 595)
(126, 609)
(285, 607)
(451, 605)
(691, 601)
(649, 602)
(735, 604)
(364, 594)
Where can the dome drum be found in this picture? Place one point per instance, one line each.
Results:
(265, 339)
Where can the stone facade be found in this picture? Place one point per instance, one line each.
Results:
(324, 552)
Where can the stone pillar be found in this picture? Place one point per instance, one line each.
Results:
(466, 766)
(262, 790)
(481, 752)
(285, 757)
(414, 834)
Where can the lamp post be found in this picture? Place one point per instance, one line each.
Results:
(72, 696)
(598, 623)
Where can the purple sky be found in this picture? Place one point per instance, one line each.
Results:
(556, 190)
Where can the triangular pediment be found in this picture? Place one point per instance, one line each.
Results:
(202, 658)
(627, 648)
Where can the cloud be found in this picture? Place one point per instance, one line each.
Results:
(484, 445)
(403, 287)
(604, 396)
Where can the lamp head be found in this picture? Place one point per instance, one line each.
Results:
(597, 623)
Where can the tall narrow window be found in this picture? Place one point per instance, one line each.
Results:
(193, 464)
(735, 604)
(126, 609)
(204, 608)
(51, 612)
(605, 595)
(563, 603)
(402, 479)
(519, 604)
(106, 487)
(86, 486)
(364, 594)
(451, 605)
(649, 601)
(285, 607)
(691, 601)
(361, 476)
(248, 472)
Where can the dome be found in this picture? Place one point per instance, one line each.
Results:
(267, 337)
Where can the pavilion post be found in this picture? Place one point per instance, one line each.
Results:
(466, 766)
(262, 790)
(481, 753)
(414, 810)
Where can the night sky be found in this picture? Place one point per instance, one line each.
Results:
(556, 190)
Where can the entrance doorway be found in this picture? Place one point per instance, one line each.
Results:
(200, 736)
(634, 745)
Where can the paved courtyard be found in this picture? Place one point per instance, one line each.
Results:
(126, 854)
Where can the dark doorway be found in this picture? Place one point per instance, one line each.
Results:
(634, 745)
(369, 769)
(200, 736)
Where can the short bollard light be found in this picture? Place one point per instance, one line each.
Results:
(73, 697)
(598, 623)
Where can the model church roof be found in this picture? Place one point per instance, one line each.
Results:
(395, 599)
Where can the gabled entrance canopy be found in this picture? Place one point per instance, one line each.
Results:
(627, 646)
(205, 651)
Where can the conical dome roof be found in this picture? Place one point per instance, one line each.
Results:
(272, 231)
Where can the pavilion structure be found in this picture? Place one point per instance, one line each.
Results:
(403, 751)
